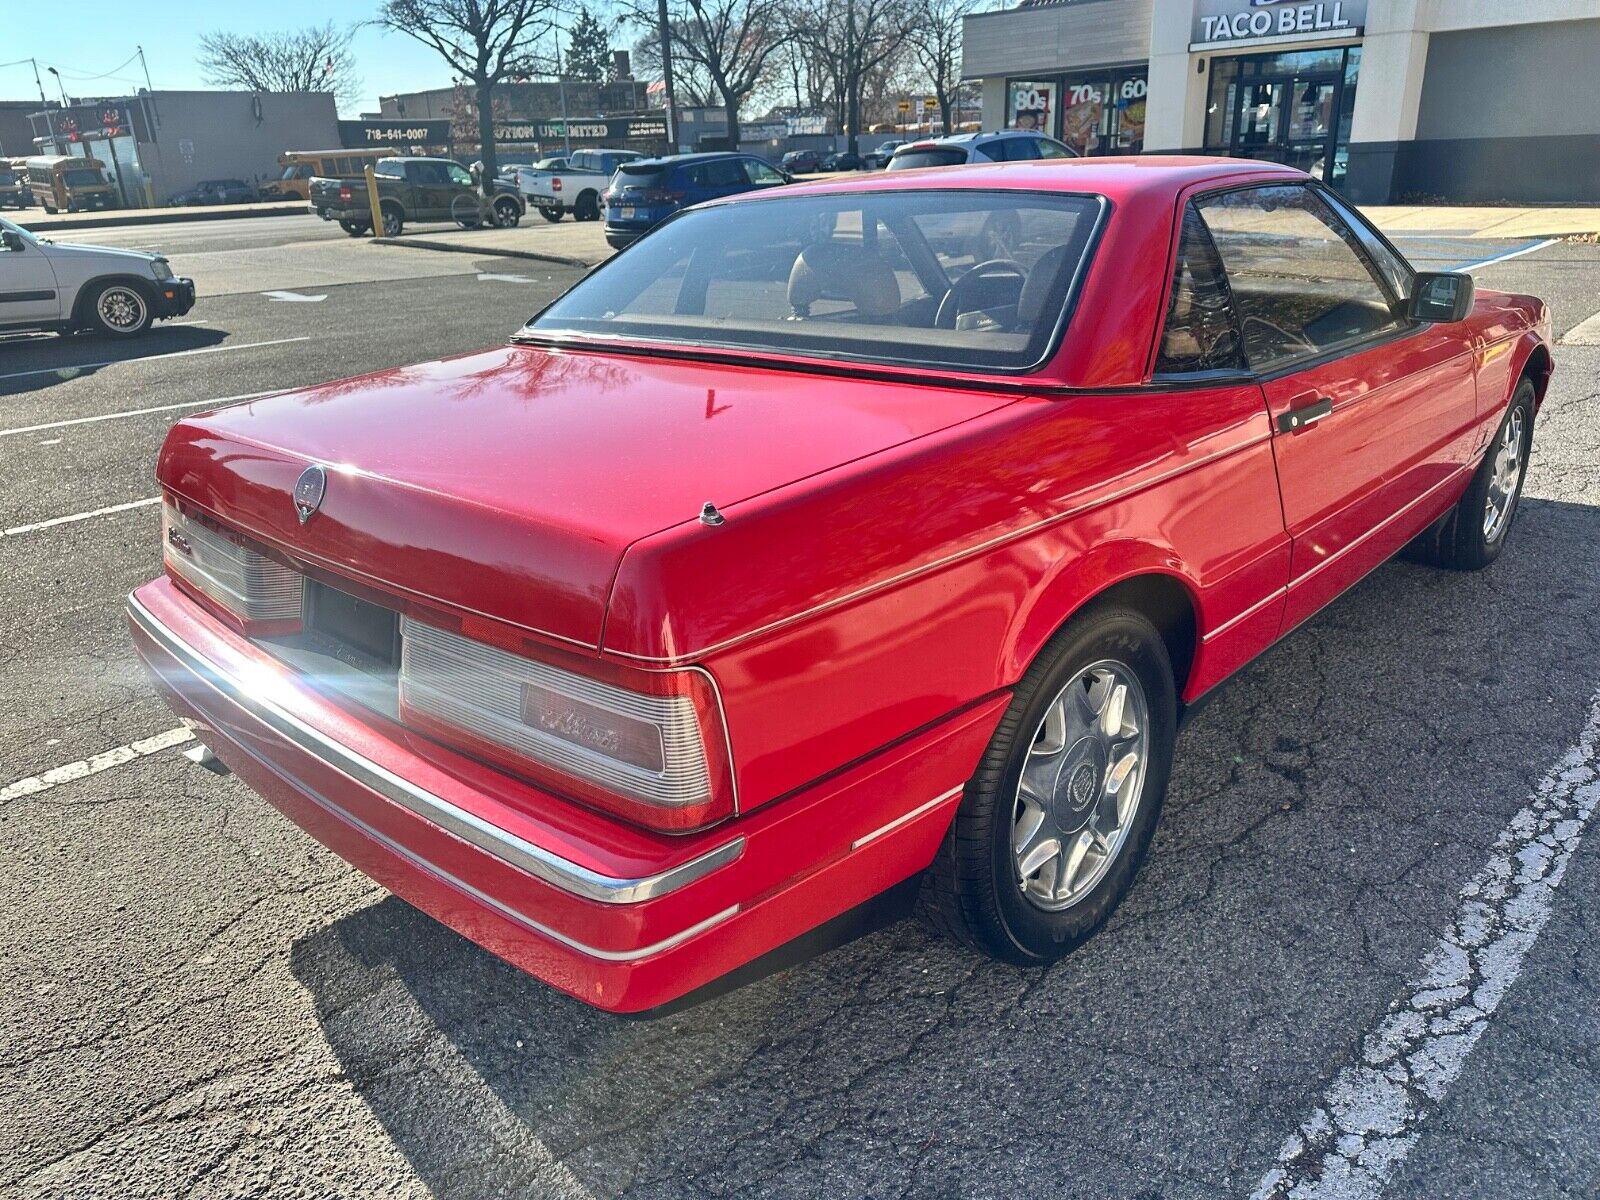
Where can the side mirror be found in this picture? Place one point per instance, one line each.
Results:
(12, 240)
(1440, 296)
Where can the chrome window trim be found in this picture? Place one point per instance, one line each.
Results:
(516, 852)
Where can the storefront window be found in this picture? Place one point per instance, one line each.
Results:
(1030, 105)
(1103, 112)
(1291, 108)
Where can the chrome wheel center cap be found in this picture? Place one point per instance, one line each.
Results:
(1080, 784)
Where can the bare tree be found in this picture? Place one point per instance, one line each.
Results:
(316, 59)
(731, 41)
(689, 79)
(485, 41)
(935, 39)
(853, 40)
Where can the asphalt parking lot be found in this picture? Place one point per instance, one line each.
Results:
(1363, 946)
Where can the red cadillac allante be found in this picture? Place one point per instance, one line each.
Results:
(827, 537)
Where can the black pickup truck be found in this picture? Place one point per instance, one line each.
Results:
(414, 189)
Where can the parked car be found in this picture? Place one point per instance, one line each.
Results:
(576, 188)
(802, 162)
(65, 287)
(842, 161)
(523, 176)
(413, 189)
(215, 191)
(880, 155)
(1009, 145)
(647, 191)
(786, 557)
(14, 184)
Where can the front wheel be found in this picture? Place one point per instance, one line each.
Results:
(507, 213)
(1473, 533)
(1061, 810)
(393, 221)
(119, 310)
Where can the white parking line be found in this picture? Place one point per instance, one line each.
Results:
(1370, 1115)
(1500, 258)
(133, 412)
(74, 517)
(104, 761)
(73, 368)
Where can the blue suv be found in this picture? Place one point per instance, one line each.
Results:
(646, 192)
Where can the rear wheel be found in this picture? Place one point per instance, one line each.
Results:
(1058, 816)
(1473, 533)
(354, 228)
(588, 207)
(550, 214)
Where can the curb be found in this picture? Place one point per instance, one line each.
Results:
(455, 248)
(164, 216)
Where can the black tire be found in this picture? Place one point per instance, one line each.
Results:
(355, 228)
(119, 309)
(550, 214)
(973, 891)
(394, 220)
(1463, 539)
(587, 207)
(507, 213)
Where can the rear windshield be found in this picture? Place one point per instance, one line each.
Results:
(927, 158)
(956, 279)
(640, 174)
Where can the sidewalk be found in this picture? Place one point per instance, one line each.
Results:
(571, 243)
(39, 221)
(583, 244)
(1504, 223)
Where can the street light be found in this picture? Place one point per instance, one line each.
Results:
(60, 85)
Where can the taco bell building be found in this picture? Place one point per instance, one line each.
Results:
(1388, 101)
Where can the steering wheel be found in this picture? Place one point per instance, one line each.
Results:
(950, 306)
(1289, 336)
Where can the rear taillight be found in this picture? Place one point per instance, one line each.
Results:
(648, 746)
(555, 184)
(346, 194)
(262, 595)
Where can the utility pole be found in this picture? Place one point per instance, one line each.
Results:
(561, 87)
(149, 91)
(36, 81)
(665, 32)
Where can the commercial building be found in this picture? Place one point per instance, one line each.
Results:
(156, 143)
(1385, 100)
(530, 119)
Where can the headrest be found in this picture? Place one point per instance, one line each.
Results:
(844, 271)
(1036, 290)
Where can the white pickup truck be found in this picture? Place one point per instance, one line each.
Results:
(576, 189)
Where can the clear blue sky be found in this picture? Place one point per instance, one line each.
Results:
(91, 37)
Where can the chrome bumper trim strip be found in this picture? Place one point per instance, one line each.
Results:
(514, 851)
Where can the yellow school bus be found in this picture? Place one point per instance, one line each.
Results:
(70, 183)
(300, 165)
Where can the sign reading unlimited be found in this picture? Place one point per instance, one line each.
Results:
(1219, 23)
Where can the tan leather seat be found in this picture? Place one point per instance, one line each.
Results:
(843, 271)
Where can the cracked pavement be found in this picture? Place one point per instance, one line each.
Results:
(201, 1001)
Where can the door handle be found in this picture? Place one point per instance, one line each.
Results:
(1310, 414)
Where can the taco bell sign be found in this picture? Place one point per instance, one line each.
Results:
(1220, 23)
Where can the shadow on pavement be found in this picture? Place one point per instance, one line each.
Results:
(1324, 812)
(33, 363)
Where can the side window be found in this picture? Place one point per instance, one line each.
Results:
(1297, 276)
(1199, 334)
(1396, 271)
(580, 161)
(459, 176)
(724, 172)
(1048, 148)
(760, 174)
(1019, 149)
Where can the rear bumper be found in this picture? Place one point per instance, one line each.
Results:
(623, 919)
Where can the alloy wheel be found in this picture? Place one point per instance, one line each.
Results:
(1506, 480)
(1081, 785)
(121, 308)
